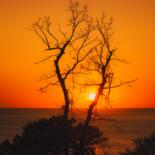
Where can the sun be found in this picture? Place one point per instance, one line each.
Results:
(91, 96)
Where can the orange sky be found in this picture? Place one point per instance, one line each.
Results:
(134, 22)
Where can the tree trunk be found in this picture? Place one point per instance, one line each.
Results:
(66, 107)
(64, 89)
(93, 104)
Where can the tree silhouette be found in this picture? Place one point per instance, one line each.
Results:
(87, 40)
(88, 47)
(99, 63)
(47, 136)
(75, 45)
(142, 146)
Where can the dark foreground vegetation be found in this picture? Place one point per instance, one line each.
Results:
(142, 146)
(52, 137)
(48, 137)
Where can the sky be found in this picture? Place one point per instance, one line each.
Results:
(134, 22)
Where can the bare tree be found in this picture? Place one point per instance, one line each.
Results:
(75, 45)
(100, 61)
(88, 47)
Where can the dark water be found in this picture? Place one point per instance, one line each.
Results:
(131, 123)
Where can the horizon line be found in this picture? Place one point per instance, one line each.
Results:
(78, 108)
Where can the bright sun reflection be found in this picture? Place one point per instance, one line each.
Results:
(91, 96)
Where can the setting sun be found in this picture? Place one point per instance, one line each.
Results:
(91, 96)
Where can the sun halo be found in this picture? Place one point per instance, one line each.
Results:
(91, 96)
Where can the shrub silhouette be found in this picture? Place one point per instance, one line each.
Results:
(142, 146)
(47, 136)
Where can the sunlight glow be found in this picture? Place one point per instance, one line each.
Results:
(91, 96)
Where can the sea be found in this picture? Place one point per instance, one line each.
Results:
(121, 126)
